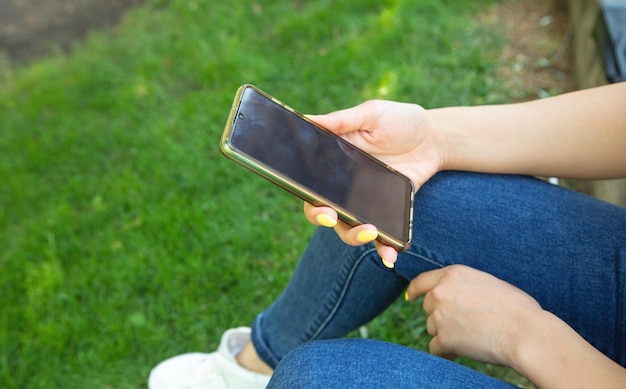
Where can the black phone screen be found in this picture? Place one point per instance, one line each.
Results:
(323, 163)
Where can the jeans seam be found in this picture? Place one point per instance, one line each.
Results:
(342, 292)
(424, 258)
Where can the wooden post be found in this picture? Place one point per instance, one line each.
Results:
(589, 72)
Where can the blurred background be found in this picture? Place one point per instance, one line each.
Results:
(33, 28)
(126, 238)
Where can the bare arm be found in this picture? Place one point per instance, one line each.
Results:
(552, 355)
(580, 134)
(576, 135)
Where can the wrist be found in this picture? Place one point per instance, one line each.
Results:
(527, 340)
(550, 353)
(452, 136)
(476, 139)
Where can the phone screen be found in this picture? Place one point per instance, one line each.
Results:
(341, 175)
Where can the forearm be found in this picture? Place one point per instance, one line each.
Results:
(580, 134)
(552, 355)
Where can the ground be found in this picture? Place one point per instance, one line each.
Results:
(536, 59)
(32, 28)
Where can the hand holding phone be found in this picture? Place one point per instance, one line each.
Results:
(281, 145)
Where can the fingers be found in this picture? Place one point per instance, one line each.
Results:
(366, 233)
(327, 217)
(322, 216)
(422, 284)
(388, 254)
(354, 236)
(431, 326)
(436, 348)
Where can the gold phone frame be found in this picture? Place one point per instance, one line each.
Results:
(296, 189)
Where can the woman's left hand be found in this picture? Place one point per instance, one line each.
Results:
(472, 313)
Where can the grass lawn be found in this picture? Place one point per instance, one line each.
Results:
(125, 237)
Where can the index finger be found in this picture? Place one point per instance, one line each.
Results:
(323, 216)
(423, 283)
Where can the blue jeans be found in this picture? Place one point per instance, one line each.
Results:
(372, 364)
(565, 249)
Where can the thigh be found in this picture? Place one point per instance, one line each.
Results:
(362, 364)
(566, 249)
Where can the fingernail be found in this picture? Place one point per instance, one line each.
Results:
(367, 236)
(325, 220)
(406, 295)
(388, 265)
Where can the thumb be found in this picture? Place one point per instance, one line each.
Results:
(340, 122)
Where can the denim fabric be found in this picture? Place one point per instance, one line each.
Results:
(334, 290)
(371, 364)
(566, 249)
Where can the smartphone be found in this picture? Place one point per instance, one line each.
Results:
(283, 146)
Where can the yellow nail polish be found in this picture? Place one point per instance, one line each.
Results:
(326, 220)
(367, 236)
(388, 265)
(406, 295)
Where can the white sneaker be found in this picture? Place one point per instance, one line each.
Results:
(218, 369)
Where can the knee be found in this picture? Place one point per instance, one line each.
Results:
(355, 363)
(300, 368)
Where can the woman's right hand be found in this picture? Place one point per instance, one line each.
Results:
(400, 135)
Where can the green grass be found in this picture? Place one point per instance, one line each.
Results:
(125, 237)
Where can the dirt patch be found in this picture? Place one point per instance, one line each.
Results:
(536, 60)
(33, 28)
(537, 57)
